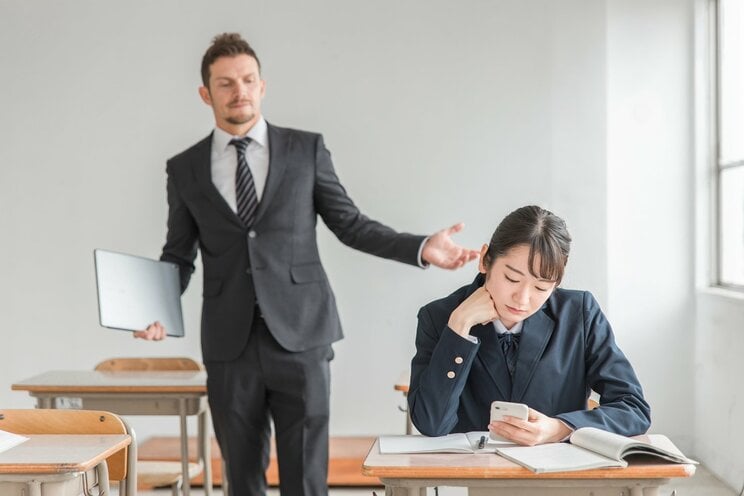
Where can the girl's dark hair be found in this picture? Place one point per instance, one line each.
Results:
(544, 232)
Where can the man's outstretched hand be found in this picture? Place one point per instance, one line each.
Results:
(444, 253)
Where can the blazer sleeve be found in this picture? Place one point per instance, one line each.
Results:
(622, 409)
(437, 379)
(349, 225)
(183, 234)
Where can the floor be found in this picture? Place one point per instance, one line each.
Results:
(703, 484)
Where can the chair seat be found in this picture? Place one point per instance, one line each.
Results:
(156, 473)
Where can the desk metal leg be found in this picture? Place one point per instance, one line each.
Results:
(34, 488)
(184, 447)
(205, 451)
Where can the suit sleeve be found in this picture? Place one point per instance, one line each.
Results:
(437, 380)
(622, 409)
(181, 241)
(352, 227)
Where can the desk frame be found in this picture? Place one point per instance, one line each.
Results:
(134, 400)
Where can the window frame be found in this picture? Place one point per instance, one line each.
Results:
(719, 165)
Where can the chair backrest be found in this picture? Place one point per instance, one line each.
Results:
(149, 363)
(43, 421)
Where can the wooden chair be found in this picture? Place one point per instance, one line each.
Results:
(151, 363)
(157, 473)
(76, 422)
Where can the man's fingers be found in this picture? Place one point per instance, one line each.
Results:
(456, 228)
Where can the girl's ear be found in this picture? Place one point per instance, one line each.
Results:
(482, 268)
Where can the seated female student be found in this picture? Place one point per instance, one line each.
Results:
(512, 335)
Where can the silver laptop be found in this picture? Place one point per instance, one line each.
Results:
(134, 292)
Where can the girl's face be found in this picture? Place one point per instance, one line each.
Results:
(516, 293)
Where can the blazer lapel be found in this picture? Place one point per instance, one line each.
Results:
(202, 164)
(536, 333)
(492, 358)
(278, 158)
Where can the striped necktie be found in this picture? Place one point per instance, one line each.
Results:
(245, 190)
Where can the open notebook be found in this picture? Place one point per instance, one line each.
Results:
(592, 448)
(468, 442)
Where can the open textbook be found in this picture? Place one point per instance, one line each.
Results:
(592, 448)
(9, 440)
(468, 442)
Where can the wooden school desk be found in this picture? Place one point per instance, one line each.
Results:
(50, 465)
(490, 474)
(180, 393)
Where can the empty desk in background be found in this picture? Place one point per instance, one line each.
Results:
(58, 464)
(490, 474)
(180, 393)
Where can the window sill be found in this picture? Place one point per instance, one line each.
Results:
(719, 292)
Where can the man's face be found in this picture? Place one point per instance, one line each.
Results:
(234, 93)
(516, 293)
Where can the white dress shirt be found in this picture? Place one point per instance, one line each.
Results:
(499, 328)
(225, 161)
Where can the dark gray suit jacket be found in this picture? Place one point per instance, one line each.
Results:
(275, 263)
(567, 349)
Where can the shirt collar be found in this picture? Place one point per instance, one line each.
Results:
(500, 329)
(259, 134)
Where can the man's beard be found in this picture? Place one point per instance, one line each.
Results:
(242, 119)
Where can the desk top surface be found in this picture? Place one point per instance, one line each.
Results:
(61, 453)
(492, 466)
(91, 381)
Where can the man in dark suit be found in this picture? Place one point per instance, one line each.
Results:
(248, 197)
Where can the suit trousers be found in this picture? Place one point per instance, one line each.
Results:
(292, 389)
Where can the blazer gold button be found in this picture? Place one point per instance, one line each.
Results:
(458, 360)
(451, 374)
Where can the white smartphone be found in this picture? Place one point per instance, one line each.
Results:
(501, 408)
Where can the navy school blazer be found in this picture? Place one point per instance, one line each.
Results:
(566, 350)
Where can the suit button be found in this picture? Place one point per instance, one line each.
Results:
(251, 234)
(248, 271)
(451, 374)
(458, 360)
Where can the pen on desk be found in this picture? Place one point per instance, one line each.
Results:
(482, 442)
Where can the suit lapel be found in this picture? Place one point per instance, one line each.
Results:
(492, 358)
(202, 164)
(536, 333)
(278, 157)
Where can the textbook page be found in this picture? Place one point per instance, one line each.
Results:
(616, 446)
(9, 440)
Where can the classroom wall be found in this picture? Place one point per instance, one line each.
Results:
(435, 113)
(650, 202)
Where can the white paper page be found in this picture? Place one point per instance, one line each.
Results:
(605, 443)
(9, 440)
(491, 445)
(557, 457)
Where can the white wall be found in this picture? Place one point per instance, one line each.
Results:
(435, 113)
(719, 341)
(719, 402)
(650, 201)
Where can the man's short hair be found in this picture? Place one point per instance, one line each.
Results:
(225, 45)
